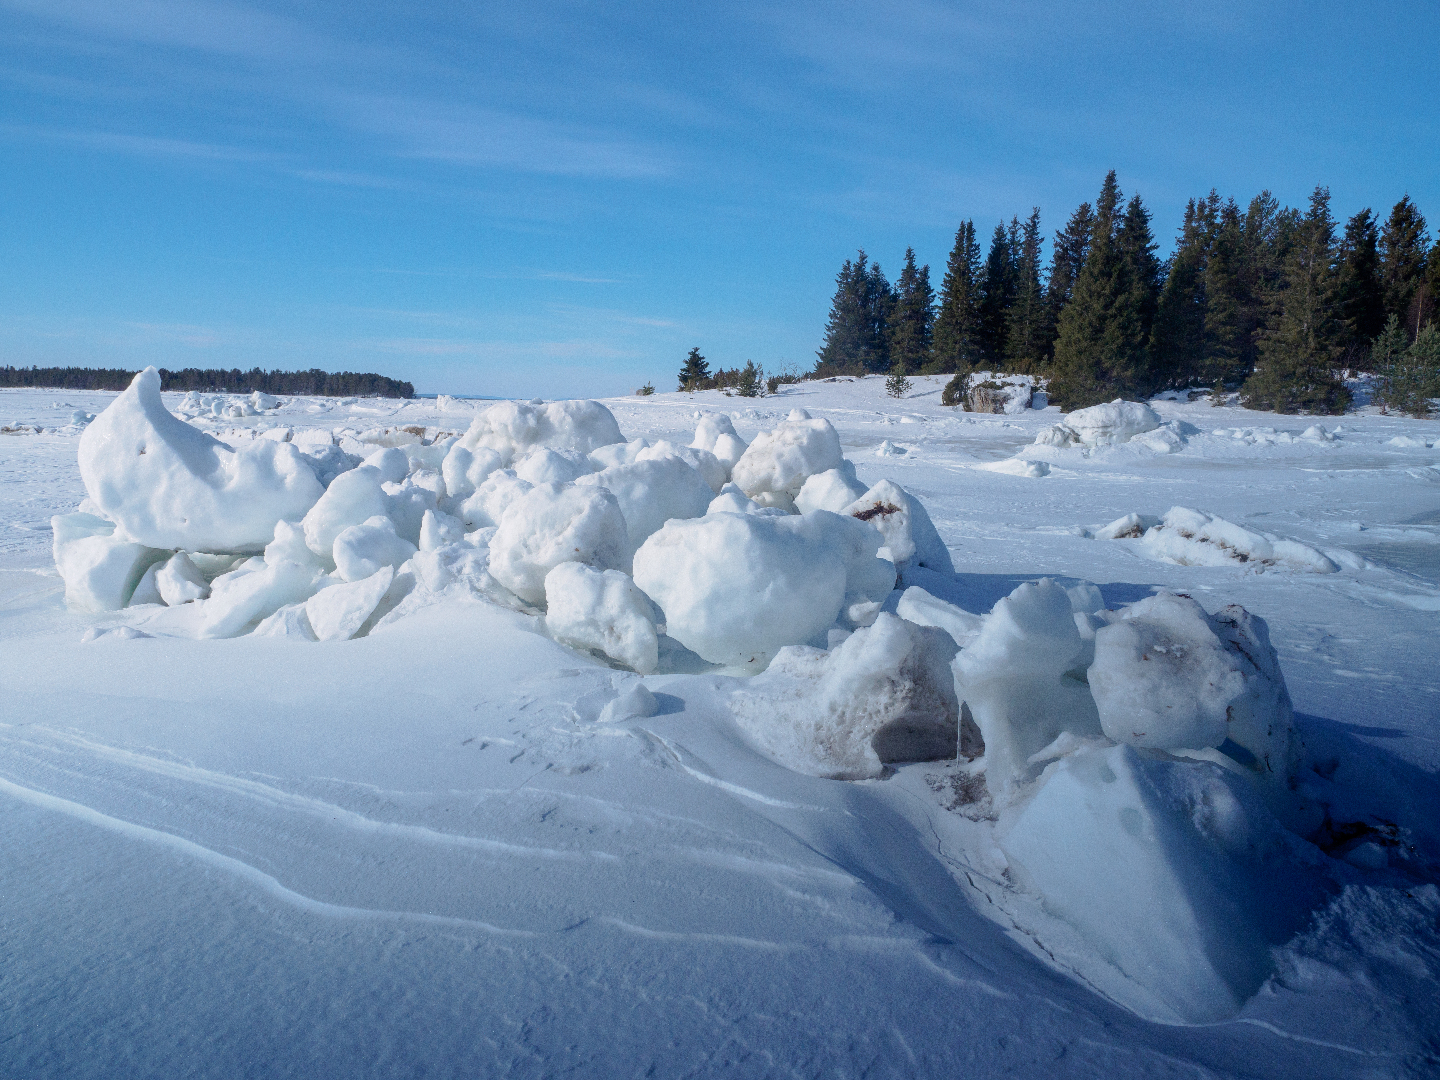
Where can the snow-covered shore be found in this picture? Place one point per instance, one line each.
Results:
(420, 852)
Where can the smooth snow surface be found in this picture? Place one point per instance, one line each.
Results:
(494, 806)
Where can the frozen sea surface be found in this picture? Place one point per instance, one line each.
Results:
(418, 854)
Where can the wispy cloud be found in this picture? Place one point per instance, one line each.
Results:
(145, 145)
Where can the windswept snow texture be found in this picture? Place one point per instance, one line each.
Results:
(494, 806)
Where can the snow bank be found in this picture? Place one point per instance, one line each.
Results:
(1101, 425)
(513, 429)
(884, 694)
(1195, 538)
(909, 535)
(168, 485)
(1173, 872)
(601, 610)
(552, 524)
(736, 588)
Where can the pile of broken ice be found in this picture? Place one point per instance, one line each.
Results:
(1138, 762)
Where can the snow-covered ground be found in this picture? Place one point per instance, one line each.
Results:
(432, 851)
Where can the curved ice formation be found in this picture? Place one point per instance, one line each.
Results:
(169, 485)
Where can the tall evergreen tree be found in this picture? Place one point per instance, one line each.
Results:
(1102, 348)
(1295, 371)
(1361, 295)
(1147, 275)
(855, 333)
(1177, 339)
(1025, 331)
(1230, 309)
(957, 326)
(912, 317)
(997, 293)
(1066, 257)
(1403, 247)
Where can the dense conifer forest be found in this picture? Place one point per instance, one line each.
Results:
(1273, 302)
(315, 383)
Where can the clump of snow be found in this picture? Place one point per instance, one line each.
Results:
(352, 498)
(463, 469)
(552, 524)
(179, 580)
(513, 429)
(715, 472)
(736, 588)
(547, 466)
(634, 703)
(361, 551)
(909, 535)
(243, 597)
(169, 485)
(779, 461)
(716, 434)
(101, 569)
(1128, 527)
(650, 492)
(337, 613)
(918, 606)
(1017, 467)
(601, 610)
(883, 695)
(833, 490)
(487, 504)
(1101, 425)
(1195, 538)
(1022, 679)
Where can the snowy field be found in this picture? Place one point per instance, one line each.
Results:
(454, 846)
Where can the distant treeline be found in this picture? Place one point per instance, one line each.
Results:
(1273, 301)
(312, 383)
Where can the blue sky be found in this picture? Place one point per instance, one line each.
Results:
(562, 198)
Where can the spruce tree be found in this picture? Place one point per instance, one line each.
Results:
(855, 333)
(1102, 348)
(1025, 333)
(1177, 339)
(1147, 276)
(1403, 247)
(1066, 257)
(1294, 372)
(751, 382)
(1228, 355)
(1361, 296)
(957, 326)
(997, 293)
(912, 317)
(695, 375)
(1387, 359)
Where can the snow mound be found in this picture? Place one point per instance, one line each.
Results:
(166, 484)
(601, 610)
(737, 588)
(909, 535)
(883, 695)
(1017, 467)
(779, 461)
(552, 524)
(1195, 538)
(513, 429)
(1173, 873)
(1101, 425)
